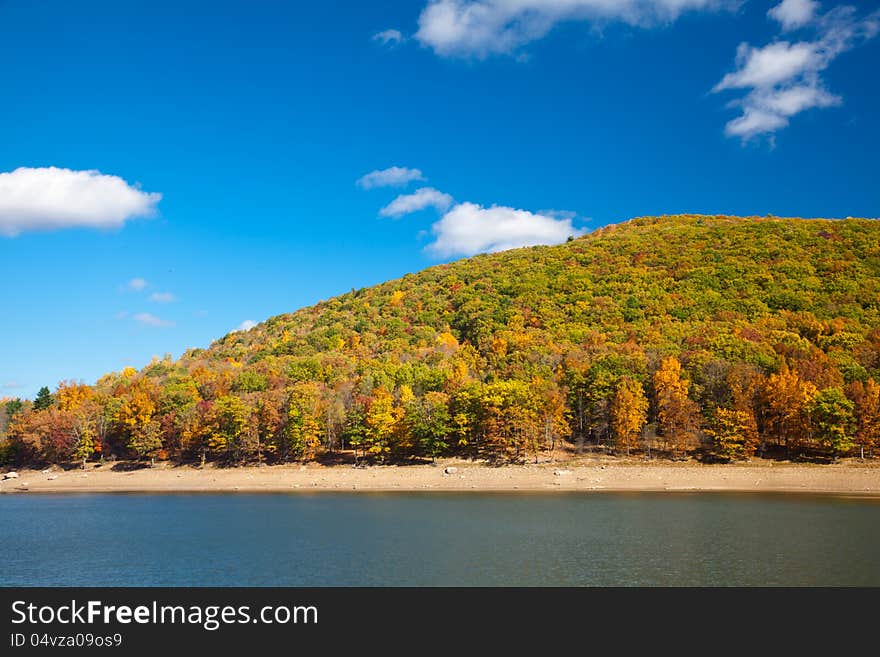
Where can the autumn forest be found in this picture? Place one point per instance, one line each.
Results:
(711, 337)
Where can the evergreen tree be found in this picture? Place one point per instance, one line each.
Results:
(43, 400)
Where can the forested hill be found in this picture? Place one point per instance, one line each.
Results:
(713, 335)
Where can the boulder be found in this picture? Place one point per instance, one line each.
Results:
(51, 477)
(450, 470)
(562, 473)
(11, 475)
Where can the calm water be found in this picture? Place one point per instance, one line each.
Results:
(435, 539)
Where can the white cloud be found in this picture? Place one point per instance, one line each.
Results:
(50, 198)
(11, 385)
(137, 284)
(246, 325)
(469, 228)
(389, 37)
(420, 199)
(772, 64)
(148, 319)
(391, 177)
(484, 27)
(793, 14)
(783, 79)
(162, 297)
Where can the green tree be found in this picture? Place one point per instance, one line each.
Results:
(43, 399)
(833, 422)
(14, 406)
(429, 421)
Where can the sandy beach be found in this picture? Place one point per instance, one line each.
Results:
(852, 477)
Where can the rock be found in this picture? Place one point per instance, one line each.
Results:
(562, 473)
(450, 470)
(11, 475)
(51, 477)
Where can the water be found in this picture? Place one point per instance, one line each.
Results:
(438, 540)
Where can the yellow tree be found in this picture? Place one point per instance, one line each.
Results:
(381, 422)
(745, 383)
(302, 427)
(788, 398)
(134, 415)
(730, 430)
(629, 412)
(77, 400)
(678, 415)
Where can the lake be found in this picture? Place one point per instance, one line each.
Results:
(432, 539)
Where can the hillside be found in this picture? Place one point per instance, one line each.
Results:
(716, 335)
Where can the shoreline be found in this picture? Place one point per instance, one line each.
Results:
(852, 478)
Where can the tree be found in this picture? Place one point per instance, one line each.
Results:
(381, 421)
(268, 425)
(43, 399)
(429, 421)
(13, 406)
(146, 439)
(134, 413)
(866, 408)
(730, 431)
(788, 397)
(553, 415)
(832, 415)
(629, 413)
(745, 383)
(302, 427)
(678, 416)
(231, 417)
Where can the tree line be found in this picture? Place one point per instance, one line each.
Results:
(236, 418)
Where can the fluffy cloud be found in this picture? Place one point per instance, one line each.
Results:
(484, 27)
(771, 65)
(148, 319)
(50, 198)
(425, 197)
(783, 79)
(469, 228)
(391, 177)
(246, 325)
(162, 297)
(389, 37)
(793, 14)
(137, 284)
(11, 385)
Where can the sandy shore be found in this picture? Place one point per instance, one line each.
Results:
(591, 474)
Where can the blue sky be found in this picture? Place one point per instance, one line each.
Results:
(235, 134)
